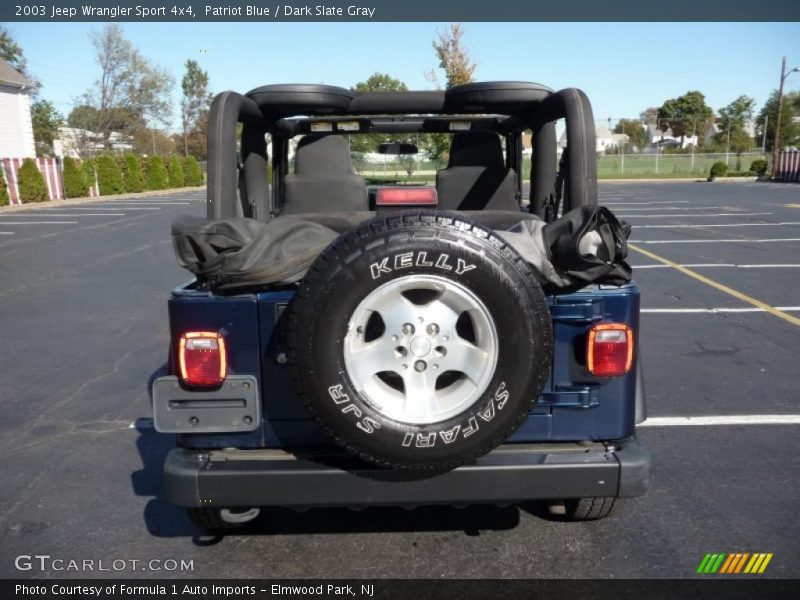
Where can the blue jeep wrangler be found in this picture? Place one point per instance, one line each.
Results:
(356, 345)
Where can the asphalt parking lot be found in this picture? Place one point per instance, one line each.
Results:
(84, 325)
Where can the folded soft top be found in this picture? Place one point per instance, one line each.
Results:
(586, 245)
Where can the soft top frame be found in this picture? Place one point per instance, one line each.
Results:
(527, 105)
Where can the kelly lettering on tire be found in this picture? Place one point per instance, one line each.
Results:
(420, 259)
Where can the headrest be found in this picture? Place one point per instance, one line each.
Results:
(321, 156)
(476, 149)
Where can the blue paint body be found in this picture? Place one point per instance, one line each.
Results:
(575, 406)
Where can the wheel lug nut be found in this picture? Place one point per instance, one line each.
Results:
(395, 338)
(408, 329)
(420, 366)
(433, 329)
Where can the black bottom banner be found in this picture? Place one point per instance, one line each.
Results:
(413, 589)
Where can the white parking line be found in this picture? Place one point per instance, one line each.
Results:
(697, 216)
(7, 233)
(66, 215)
(731, 241)
(728, 265)
(39, 222)
(115, 207)
(120, 203)
(704, 225)
(647, 203)
(679, 208)
(712, 311)
(722, 420)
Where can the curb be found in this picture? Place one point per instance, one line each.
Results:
(680, 179)
(51, 204)
(649, 180)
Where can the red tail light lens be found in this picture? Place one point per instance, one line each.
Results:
(610, 350)
(201, 358)
(423, 196)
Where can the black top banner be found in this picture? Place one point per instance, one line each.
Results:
(400, 10)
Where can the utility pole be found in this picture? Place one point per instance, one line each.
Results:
(777, 144)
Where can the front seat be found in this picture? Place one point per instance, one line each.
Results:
(476, 177)
(323, 178)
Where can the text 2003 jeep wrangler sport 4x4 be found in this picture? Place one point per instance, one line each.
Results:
(353, 345)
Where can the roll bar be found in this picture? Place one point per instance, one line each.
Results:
(246, 170)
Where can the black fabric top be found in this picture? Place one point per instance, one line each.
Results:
(503, 97)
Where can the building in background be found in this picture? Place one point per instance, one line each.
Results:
(82, 143)
(16, 128)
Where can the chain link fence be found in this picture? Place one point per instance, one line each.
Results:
(650, 147)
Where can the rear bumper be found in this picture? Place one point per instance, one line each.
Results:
(511, 473)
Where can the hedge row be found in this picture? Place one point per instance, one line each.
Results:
(130, 173)
(30, 182)
(4, 199)
(114, 175)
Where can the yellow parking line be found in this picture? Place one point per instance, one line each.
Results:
(719, 286)
(792, 205)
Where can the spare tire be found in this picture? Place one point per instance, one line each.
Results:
(419, 340)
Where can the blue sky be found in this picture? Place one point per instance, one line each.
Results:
(623, 67)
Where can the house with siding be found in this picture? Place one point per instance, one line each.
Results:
(16, 128)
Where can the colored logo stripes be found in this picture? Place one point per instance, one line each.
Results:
(737, 562)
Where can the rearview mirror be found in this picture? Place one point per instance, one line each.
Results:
(397, 148)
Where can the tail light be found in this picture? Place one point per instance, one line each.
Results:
(610, 350)
(413, 196)
(202, 359)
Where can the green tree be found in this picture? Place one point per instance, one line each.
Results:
(46, 120)
(130, 90)
(685, 115)
(109, 176)
(175, 176)
(194, 174)
(790, 131)
(150, 141)
(739, 112)
(195, 105)
(11, 52)
(32, 187)
(4, 198)
(84, 116)
(409, 164)
(156, 174)
(132, 173)
(75, 185)
(89, 173)
(454, 57)
(637, 136)
(459, 68)
(377, 82)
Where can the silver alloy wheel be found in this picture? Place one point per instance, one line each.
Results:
(421, 349)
